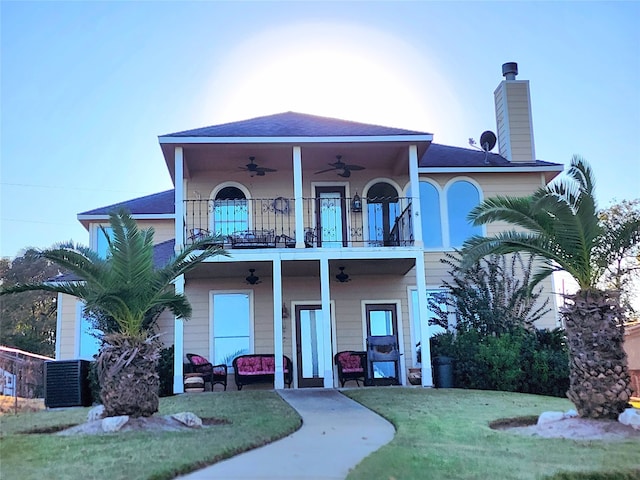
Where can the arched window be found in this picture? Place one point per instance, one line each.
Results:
(230, 212)
(462, 197)
(383, 208)
(431, 220)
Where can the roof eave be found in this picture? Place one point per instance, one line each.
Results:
(300, 139)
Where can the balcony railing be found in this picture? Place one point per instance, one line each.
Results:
(329, 222)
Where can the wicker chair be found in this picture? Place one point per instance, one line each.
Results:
(351, 366)
(215, 374)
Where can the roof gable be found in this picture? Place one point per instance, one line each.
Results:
(293, 124)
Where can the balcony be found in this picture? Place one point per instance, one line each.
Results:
(329, 222)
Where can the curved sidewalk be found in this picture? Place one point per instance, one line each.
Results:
(336, 434)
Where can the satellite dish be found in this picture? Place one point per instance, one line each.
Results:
(487, 140)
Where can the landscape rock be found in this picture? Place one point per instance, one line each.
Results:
(114, 424)
(549, 417)
(96, 413)
(571, 414)
(631, 417)
(189, 419)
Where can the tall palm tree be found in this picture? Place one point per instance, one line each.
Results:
(559, 223)
(127, 289)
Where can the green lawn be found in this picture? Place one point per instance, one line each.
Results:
(441, 434)
(444, 434)
(257, 417)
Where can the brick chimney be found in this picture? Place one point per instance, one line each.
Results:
(513, 117)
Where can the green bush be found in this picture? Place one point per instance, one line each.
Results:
(523, 361)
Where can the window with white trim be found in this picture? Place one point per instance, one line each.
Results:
(462, 197)
(231, 326)
(89, 338)
(431, 220)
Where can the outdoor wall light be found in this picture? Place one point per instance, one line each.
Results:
(342, 277)
(356, 203)
(252, 279)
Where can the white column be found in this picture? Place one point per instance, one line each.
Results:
(178, 344)
(425, 346)
(325, 296)
(297, 194)
(277, 323)
(179, 197)
(59, 326)
(416, 215)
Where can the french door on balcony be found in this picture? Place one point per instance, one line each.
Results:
(331, 217)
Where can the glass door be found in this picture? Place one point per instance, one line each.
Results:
(310, 346)
(331, 219)
(382, 321)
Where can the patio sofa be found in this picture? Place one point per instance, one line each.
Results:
(259, 368)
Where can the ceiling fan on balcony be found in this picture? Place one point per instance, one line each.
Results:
(343, 169)
(253, 168)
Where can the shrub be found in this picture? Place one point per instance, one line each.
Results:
(165, 371)
(523, 361)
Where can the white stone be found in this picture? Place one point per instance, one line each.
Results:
(548, 417)
(189, 419)
(571, 414)
(631, 417)
(96, 413)
(114, 424)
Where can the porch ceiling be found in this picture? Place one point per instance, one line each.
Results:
(227, 158)
(305, 268)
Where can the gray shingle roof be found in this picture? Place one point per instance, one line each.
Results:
(292, 124)
(157, 203)
(446, 156)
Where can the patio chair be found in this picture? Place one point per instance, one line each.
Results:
(214, 374)
(351, 366)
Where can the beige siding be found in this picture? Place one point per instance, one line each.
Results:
(513, 116)
(67, 336)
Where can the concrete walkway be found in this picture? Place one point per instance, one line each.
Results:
(336, 434)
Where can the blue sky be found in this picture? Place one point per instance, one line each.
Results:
(86, 87)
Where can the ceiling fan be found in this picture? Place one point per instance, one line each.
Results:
(254, 169)
(343, 169)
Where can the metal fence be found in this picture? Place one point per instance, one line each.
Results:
(22, 373)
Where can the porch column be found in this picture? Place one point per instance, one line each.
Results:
(425, 345)
(416, 218)
(277, 324)
(325, 297)
(178, 343)
(297, 194)
(179, 197)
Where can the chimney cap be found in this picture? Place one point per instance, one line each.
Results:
(510, 70)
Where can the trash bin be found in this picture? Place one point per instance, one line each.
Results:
(443, 372)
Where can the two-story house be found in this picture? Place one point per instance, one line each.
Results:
(334, 230)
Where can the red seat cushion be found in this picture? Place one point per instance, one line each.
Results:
(350, 363)
(198, 360)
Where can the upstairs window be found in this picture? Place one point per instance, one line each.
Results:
(462, 197)
(431, 219)
(102, 245)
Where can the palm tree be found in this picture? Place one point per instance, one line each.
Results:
(130, 292)
(559, 223)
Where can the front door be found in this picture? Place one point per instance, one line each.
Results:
(310, 346)
(382, 321)
(331, 218)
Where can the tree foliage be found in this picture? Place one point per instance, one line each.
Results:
(28, 321)
(619, 252)
(493, 296)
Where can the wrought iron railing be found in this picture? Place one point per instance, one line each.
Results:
(329, 222)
